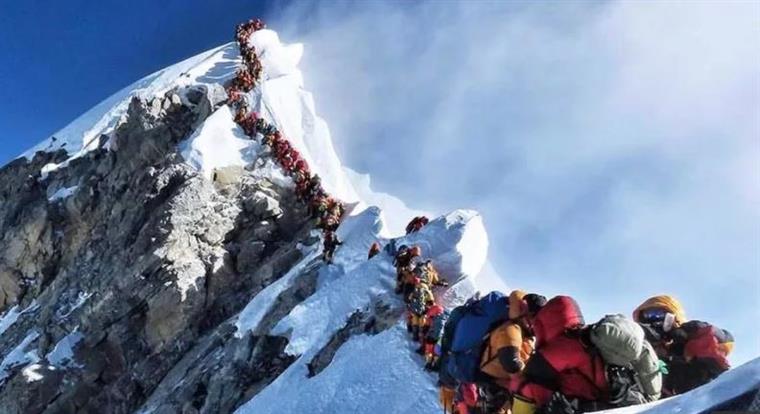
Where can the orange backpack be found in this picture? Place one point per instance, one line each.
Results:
(507, 334)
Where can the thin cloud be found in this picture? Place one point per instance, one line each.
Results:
(612, 147)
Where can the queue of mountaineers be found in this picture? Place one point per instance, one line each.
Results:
(325, 209)
(520, 352)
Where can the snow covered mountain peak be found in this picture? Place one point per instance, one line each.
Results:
(151, 240)
(155, 259)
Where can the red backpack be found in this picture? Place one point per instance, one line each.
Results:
(708, 341)
(557, 316)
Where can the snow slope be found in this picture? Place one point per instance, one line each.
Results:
(219, 142)
(369, 374)
(80, 136)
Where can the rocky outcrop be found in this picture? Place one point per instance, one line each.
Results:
(143, 261)
(368, 321)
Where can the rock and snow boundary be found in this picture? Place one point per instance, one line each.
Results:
(368, 373)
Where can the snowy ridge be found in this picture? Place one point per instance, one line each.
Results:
(369, 374)
(282, 101)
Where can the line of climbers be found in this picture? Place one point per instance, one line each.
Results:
(326, 210)
(524, 354)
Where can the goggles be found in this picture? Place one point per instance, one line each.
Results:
(657, 317)
(652, 315)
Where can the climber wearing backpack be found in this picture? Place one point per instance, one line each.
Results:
(465, 334)
(243, 80)
(402, 254)
(286, 156)
(270, 139)
(331, 218)
(330, 212)
(281, 148)
(249, 56)
(446, 381)
(507, 349)
(285, 162)
(293, 156)
(400, 261)
(416, 224)
(328, 223)
(247, 121)
(426, 271)
(315, 186)
(266, 129)
(564, 375)
(695, 352)
(405, 262)
(409, 279)
(435, 321)
(373, 250)
(420, 300)
(314, 194)
(698, 354)
(301, 177)
(633, 368)
(318, 205)
(511, 343)
(330, 243)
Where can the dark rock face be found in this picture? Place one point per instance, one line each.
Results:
(146, 261)
(122, 272)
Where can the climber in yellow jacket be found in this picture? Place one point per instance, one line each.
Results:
(511, 343)
(509, 347)
(420, 300)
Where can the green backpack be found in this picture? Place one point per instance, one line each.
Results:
(418, 304)
(621, 342)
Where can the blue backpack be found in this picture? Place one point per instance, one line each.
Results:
(470, 332)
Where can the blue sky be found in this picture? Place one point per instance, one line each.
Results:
(612, 147)
(61, 58)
